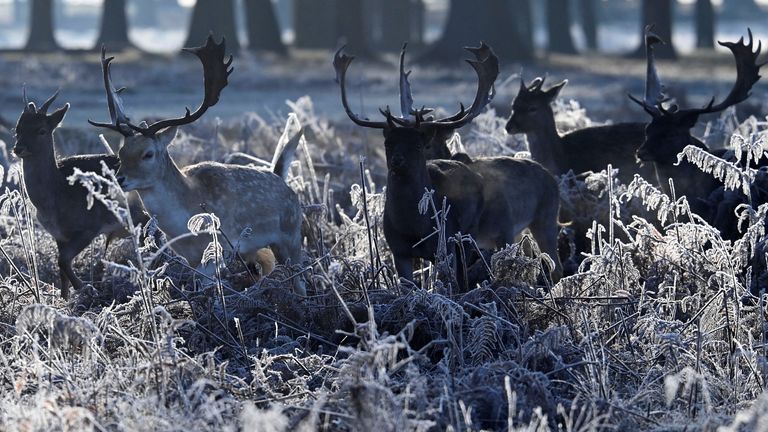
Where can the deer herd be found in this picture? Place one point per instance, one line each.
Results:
(491, 199)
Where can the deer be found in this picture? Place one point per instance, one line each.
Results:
(587, 149)
(61, 207)
(242, 197)
(669, 130)
(491, 198)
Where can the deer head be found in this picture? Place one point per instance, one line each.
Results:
(532, 107)
(144, 154)
(144, 160)
(668, 132)
(34, 130)
(409, 135)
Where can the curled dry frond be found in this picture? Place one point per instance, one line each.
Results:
(732, 176)
(103, 188)
(655, 199)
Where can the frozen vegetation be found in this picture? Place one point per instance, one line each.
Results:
(661, 326)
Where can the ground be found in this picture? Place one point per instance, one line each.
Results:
(661, 328)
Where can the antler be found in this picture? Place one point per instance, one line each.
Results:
(29, 107)
(747, 74)
(341, 62)
(654, 90)
(406, 97)
(215, 72)
(47, 104)
(120, 121)
(486, 66)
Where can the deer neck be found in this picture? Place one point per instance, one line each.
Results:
(688, 179)
(42, 177)
(404, 191)
(545, 145)
(169, 199)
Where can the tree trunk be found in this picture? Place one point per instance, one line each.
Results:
(114, 26)
(658, 13)
(502, 24)
(589, 23)
(741, 9)
(418, 22)
(705, 24)
(313, 24)
(351, 27)
(396, 26)
(17, 11)
(263, 29)
(523, 26)
(148, 11)
(559, 27)
(213, 16)
(41, 38)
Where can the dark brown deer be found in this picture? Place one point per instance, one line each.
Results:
(493, 198)
(588, 149)
(242, 197)
(61, 207)
(669, 130)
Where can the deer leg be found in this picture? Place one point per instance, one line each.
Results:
(290, 253)
(404, 267)
(545, 233)
(67, 252)
(64, 279)
(460, 265)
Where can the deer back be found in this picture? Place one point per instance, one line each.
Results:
(515, 190)
(594, 148)
(588, 149)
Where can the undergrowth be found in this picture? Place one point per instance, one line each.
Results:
(661, 326)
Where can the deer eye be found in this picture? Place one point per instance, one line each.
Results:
(532, 109)
(148, 155)
(42, 131)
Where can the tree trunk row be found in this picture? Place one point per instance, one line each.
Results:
(504, 24)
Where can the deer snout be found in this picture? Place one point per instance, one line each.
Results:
(511, 126)
(121, 180)
(21, 151)
(642, 154)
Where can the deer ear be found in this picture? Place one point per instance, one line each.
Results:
(554, 91)
(167, 136)
(57, 116)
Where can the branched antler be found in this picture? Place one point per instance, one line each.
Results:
(406, 97)
(215, 73)
(747, 74)
(341, 62)
(485, 64)
(120, 121)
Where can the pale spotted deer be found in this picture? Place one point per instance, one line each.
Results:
(242, 197)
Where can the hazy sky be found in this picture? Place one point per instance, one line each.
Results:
(188, 3)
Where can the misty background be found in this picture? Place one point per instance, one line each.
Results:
(284, 49)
